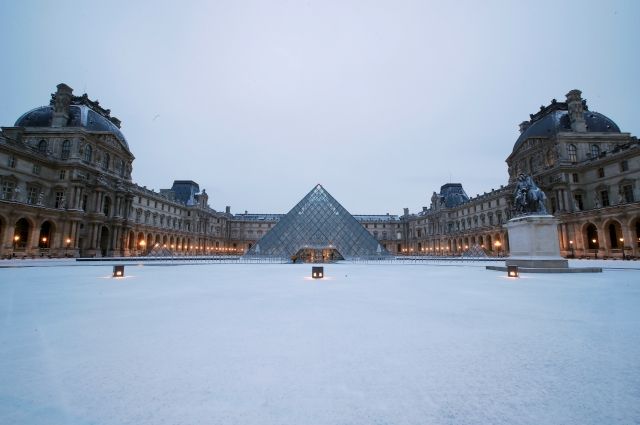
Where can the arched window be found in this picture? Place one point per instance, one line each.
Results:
(595, 151)
(66, 149)
(573, 157)
(42, 146)
(105, 161)
(88, 153)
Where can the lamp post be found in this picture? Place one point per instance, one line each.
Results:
(16, 239)
(142, 244)
(498, 245)
(596, 247)
(66, 247)
(622, 246)
(571, 248)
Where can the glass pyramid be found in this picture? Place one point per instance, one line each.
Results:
(318, 221)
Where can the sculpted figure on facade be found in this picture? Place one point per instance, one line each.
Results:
(528, 198)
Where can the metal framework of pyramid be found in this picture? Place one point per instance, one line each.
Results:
(318, 221)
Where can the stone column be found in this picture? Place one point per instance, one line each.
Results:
(7, 240)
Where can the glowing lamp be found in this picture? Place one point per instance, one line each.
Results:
(118, 271)
(317, 272)
(512, 271)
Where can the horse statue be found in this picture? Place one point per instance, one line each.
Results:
(528, 197)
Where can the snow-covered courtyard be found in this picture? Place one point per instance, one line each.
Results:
(369, 344)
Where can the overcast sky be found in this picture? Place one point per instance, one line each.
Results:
(381, 102)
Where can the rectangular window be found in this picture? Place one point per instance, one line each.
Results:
(601, 172)
(32, 195)
(59, 202)
(85, 198)
(579, 202)
(36, 169)
(12, 161)
(62, 175)
(604, 195)
(156, 204)
(8, 189)
(624, 166)
(627, 192)
(574, 177)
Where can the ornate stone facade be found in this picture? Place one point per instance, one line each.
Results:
(589, 171)
(66, 190)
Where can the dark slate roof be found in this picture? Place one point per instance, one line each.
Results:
(452, 194)
(376, 217)
(80, 116)
(558, 120)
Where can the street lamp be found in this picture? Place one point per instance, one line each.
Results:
(497, 244)
(16, 239)
(142, 244)
(596, 248)
(571, 247)
(622, 246)
(66, 248)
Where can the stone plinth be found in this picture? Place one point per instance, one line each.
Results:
(533, 242)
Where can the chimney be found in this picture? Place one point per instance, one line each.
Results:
(406, 211)
(227, 209)
(523, 126)
(62, 100)
(575, 105)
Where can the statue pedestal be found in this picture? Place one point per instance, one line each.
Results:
(533, 242)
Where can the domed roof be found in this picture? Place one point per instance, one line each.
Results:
(558, 120)
(79, 116)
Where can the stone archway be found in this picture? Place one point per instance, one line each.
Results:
(132, 241)
(104, 241)
(613, 232)
(21, 234)
(46, 235)
(591, 236)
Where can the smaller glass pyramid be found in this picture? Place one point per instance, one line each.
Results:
(318, 221)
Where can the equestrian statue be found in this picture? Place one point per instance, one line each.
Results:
(528, 197)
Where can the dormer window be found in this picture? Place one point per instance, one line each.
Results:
(595, 151)
(105, 161)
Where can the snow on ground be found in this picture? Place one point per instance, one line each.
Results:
(370, 344)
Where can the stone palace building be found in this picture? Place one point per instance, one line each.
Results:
(66, 190)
